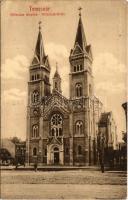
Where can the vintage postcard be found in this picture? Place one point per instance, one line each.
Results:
(64, 102)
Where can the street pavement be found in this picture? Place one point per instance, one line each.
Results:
(80, 184)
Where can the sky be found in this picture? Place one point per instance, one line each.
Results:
(105, 29)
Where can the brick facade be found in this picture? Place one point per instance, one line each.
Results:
(60, 130)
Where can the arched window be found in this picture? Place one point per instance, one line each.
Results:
(35, 131)
(32, 77)
(35, 96)
(56, 131)
(56, 87)
(79, 150)
(79, 127)
(45, 152)
(75, 69)
(67, 151)
(78, 89)
(38, 76)
(80, 67)
(56, 125)
(34, 151)
(56, 149)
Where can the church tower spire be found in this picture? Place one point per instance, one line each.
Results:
(80, 35)
(39, 73)
(39, 55)
(81, 79)
(39, 49)
(57, 81)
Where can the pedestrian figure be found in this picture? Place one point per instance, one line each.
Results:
(35, 166)
(16, 164)
(101, 162)
(102, 167)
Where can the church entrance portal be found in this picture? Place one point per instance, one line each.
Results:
(56, 156)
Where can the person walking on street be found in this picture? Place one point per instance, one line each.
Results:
(35, 165)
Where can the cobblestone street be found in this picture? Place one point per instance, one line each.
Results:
(63, 185)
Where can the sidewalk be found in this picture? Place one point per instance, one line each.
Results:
(51, 168)
(59, 168)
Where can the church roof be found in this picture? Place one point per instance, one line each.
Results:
(56, 75)
(39, 50)
(80, 45)
(80, 35)
(39, 56)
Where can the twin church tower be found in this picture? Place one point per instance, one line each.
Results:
(62, 131)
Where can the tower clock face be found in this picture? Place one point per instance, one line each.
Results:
(35, 112)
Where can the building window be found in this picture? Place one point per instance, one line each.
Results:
(35, 96)
(80, 67)
(35, 131)
(34, 151)
(79, 150)
(32, 77)
(57, 132)
(75, 69)
(38, 76)
(67, 151)
(56, 125)
(56, 149)
(78, 89)
(45, 152)
(56, 87)
(79, 127)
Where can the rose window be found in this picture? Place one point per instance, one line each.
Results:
(56, 125)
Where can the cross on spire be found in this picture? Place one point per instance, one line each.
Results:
(79, 11)
(40, 22)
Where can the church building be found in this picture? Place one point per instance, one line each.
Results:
(60, 130)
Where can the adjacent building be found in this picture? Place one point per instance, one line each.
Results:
(108, 128)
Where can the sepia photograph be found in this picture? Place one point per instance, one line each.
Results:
(63, 99)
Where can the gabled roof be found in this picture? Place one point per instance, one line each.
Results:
(56, 102)
(54, 141)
